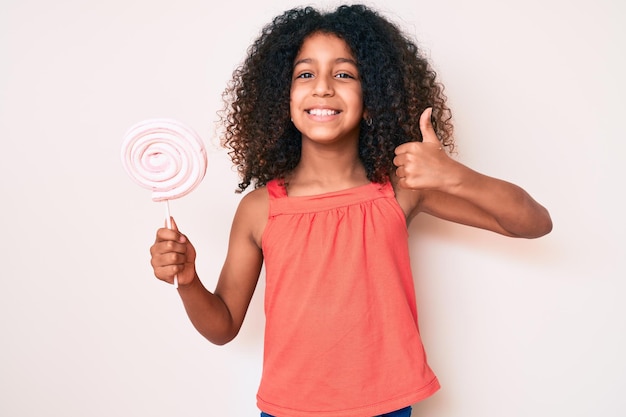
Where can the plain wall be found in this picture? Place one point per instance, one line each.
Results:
(512, 327)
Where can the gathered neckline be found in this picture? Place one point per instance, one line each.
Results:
(343, 191)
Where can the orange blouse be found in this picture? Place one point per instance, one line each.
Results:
(341, 336)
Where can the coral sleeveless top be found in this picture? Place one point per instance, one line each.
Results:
(341, 336)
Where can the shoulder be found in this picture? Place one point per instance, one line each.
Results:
(255, 198)
(252, 213)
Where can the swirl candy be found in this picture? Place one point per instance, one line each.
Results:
(166, 157)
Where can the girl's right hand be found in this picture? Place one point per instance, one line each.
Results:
(173, 255)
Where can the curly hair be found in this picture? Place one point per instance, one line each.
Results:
(397, 82)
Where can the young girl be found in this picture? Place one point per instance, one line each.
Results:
(340, 125)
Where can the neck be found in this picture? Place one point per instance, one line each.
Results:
(326, 170)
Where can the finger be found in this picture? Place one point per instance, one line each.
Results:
(165, 234)
(168, 253)
(160, 257)
(426, 127)
(167, 273)
(400, 158)
(174, 225)
(402, 183)
(405, 148)
(172, 233)
(400, 149)
(181, 237)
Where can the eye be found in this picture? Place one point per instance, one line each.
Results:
(305, 75)
(344, 75)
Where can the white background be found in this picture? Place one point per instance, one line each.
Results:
(513, 328)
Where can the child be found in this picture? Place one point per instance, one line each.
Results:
(339, 123)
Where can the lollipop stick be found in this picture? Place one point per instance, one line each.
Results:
(168, 221)
(168, 216)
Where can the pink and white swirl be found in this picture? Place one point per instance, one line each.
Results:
(165, 156)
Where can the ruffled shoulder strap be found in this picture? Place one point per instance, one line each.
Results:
(276, 189)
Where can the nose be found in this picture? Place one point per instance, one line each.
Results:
(323, 87)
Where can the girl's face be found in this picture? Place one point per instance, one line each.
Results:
(326, 98)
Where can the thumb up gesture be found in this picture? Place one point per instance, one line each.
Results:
(423, 165)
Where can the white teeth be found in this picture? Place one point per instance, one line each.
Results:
(323, 112)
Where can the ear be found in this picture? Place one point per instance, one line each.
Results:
(366, 118)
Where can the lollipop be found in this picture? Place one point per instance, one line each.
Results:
(164, 156)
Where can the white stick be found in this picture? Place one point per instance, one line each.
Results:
(168, 216)
(168, 221)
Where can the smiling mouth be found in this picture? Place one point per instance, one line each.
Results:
(322, 112)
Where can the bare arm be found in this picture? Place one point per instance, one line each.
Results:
(430, 181)
(218, 316)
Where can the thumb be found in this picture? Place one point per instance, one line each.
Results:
(171, 224)
(182, 238)
(426, 127)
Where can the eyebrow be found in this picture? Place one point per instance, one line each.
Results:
(337, 61)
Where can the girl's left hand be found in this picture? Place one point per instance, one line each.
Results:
(423, 165)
